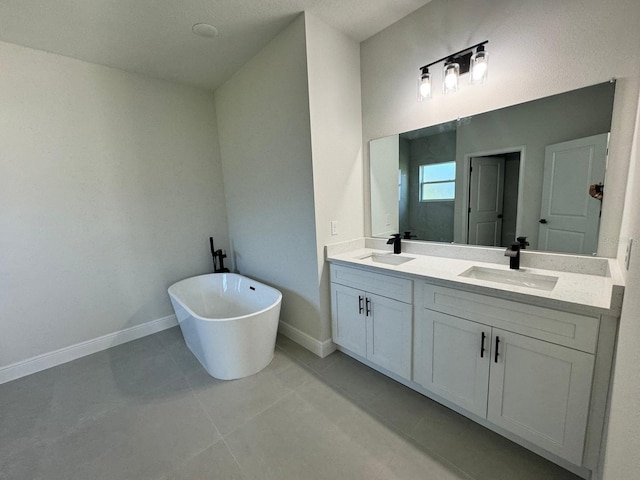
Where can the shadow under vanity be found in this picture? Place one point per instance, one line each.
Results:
(529, 362)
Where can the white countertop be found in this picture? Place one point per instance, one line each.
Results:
(581, 292)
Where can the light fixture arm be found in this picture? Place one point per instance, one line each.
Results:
(453, 55)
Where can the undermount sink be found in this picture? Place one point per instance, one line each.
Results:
(512, 277)
(388, 258)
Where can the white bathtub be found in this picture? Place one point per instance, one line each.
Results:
(228, 321)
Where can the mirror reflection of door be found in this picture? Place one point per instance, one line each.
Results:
(493, 199)
(486, 185)
(569, 216)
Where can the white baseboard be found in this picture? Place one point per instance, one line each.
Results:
(73, 352)
(321, 349)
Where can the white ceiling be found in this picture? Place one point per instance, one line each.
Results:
(154, 37)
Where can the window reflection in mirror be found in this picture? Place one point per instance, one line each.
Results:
(437, 182)
(523, 170)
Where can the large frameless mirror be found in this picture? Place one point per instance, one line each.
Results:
(534, 170)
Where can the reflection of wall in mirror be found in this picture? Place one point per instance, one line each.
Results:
(431, 221)
(384, 160)
(568, 116)
(405, 180)
(509, 210)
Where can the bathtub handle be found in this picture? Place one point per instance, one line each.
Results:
(368, 302)
(360, 306)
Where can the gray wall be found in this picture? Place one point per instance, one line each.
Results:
(333, 64)
(265, 144)
(622, 461)
(430, 220)
(110, 185)
(291, 146)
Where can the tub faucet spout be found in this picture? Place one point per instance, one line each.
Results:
(218, 267)
(218, 259)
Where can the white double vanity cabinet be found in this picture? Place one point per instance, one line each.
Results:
(526, 358)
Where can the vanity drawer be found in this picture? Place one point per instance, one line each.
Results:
(385, 285)
(562, 328)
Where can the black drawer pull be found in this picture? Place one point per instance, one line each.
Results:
(360, 304)
(482, 345)
(368, 303)
(497, 343)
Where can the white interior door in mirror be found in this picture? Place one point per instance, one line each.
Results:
(569, 216)
(486, 187)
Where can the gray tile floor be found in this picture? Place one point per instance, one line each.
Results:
(147, 410)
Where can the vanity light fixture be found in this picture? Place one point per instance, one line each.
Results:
(459, 63)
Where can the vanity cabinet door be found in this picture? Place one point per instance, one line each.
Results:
(389, 334)
(374, 327)
(452, 359)
(347, 318)
(540, 391)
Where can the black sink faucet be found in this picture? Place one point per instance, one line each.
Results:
(523, 242)
(395, 239)
(513, 252)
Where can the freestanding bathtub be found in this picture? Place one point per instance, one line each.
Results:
(228, 321)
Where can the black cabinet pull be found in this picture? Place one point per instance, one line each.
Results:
(360, 304)
(482, 345)
(368, 303)
(497, 343)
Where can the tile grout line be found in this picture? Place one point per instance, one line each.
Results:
(298, 360)
(380, 418)
(223, 437)
(291, 390)
(436, 455)
(197, 398)
(235, 459)
(358, 402)
(185, 377)
(215, 427)
(259, 413)
(321, 374)
(407, 436)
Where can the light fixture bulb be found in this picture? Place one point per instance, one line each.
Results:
(479, 66)
(451, 74)
(424, 84)
(425, 89)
